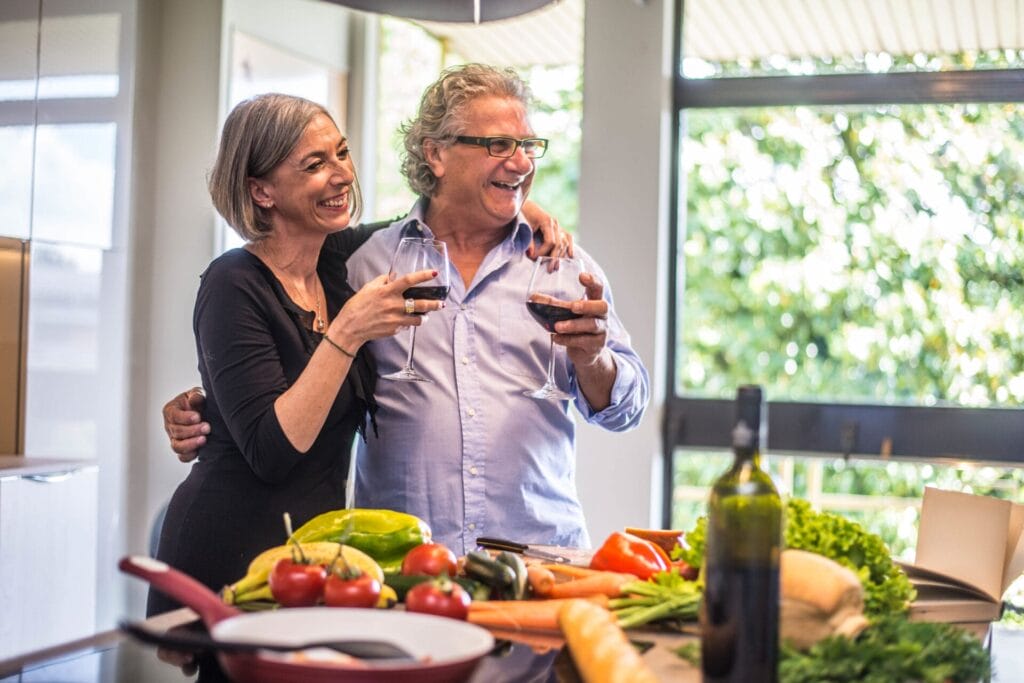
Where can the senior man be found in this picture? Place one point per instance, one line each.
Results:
(467, 451)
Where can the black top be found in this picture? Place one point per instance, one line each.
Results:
(253, 341)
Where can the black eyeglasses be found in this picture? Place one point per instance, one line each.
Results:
(503, 147)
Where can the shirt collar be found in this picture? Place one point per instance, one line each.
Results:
(413, 225)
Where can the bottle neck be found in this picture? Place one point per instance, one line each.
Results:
(745, 454)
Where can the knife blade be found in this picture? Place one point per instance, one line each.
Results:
(521, 548)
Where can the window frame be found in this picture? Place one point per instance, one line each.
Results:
(866, 431)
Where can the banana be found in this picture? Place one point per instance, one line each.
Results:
(320, 552)
(388, 597)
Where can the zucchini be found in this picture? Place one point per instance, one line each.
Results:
(497, 575)
(513, 560)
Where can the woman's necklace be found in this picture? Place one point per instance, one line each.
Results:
(319, 321)
(319, 315)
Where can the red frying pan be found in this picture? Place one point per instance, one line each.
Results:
(445, 650)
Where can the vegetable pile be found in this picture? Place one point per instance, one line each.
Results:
(886, 587)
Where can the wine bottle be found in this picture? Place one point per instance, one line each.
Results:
(740, 611)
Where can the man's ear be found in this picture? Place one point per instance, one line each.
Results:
(435, 157)
(259, 194)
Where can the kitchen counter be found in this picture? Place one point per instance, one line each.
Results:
(111, 657)
(21, 466)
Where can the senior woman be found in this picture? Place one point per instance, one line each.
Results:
(279, 336)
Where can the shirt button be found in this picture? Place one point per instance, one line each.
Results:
(471, 412)
(472, 526)
(472, 470)
(465, 360)
(462, 307)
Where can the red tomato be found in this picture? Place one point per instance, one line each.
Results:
(442, 598)
(294, 584)
(430, 559)
(360, 591)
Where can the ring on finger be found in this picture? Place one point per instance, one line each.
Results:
(410, 306)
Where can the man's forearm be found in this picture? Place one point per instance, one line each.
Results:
(596, 380)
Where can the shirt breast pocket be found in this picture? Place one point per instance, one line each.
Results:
(523, 346)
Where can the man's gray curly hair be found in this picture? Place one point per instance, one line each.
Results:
(440, 116)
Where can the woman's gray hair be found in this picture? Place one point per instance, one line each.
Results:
(440, 117)
(258, 135)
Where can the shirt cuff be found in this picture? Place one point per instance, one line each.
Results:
(625, 380)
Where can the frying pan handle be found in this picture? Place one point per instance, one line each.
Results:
(179, 586)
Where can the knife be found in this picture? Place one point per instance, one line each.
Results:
(521, 548)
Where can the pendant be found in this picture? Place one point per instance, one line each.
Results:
(320, 325)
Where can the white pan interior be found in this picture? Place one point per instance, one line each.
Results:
(434, 639)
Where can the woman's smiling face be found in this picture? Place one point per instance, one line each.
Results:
(311, 188)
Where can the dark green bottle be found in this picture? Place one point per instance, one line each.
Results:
(740, 611)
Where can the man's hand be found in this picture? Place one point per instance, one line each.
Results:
(184, 423)
(584, 339)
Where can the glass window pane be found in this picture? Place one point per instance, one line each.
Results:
(15, 181)
(867, 254)
(765, 38)
(19, 48)
(884, 497)
(64, 351)
(74, 183)
(80, 56)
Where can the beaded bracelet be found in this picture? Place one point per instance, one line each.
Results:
(337, 346)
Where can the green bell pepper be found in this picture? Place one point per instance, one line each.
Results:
(384, 535)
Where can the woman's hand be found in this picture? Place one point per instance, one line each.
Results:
(378, 310)
(554, 240)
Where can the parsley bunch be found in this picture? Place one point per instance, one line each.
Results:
(886, 588)
(891, 649)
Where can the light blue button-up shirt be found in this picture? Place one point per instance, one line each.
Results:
(468, 452)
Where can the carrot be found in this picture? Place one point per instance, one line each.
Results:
(568, 570)
(521, 615)
(600, 583)
(541, 580)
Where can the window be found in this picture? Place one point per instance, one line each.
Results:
(848, 235)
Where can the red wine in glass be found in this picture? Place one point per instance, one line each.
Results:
(554, 286)
(434, 293)
(414, 254)
(549, 314)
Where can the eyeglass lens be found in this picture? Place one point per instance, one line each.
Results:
(506, 147)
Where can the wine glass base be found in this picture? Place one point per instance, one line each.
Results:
(548, 393)
(407, 375)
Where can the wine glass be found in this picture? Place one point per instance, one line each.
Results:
(554, 285)
(414, 254)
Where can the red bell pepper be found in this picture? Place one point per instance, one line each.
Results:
(624, 552)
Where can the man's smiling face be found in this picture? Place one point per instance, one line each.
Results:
(488, 190)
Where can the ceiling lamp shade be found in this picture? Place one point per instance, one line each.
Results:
(475, 11)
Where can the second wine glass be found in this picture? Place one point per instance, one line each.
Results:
(414, 254)
(554, 286)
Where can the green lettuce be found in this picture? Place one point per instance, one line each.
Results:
(887, 589)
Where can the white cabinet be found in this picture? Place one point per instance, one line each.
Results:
(47, 557)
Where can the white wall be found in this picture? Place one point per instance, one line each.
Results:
(176, 129)
(623, 223)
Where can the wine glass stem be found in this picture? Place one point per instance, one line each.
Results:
(412, 347)
(551, 362)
